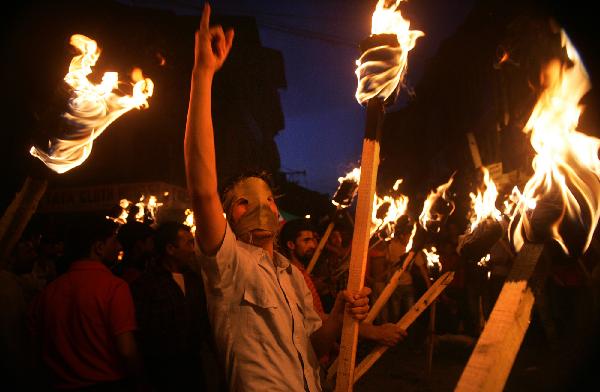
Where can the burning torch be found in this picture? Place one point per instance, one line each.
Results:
(380, 72)
(342, 199)
(91, 108)
(559, 203)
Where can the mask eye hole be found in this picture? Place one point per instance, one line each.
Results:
(241, 202)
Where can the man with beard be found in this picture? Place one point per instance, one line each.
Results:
(261, 310)
(298, 242)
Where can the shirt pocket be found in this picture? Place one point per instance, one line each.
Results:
(259, 308)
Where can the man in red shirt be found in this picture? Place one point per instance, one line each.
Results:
(83, 322)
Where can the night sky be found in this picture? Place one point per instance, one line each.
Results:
(324, 124)
(322, 137)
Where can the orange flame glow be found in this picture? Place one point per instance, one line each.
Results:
(381, 77)
(566, 161)
(91, 108)
(433, 259)
(397, 207)
(484, 205)
(189, 220)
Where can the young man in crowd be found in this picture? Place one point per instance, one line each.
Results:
(171, 313)
(299, 244)
(83, 321)
(261, 310)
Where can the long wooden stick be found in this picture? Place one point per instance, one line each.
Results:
(490, 363)
(431, 341)
(320, 247)
(360, 239)
(409, 317)
(19, 212)
(474, 149)
(380, 302)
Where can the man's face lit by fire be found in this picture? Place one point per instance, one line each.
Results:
(303, 247)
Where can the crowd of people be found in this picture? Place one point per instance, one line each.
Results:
(106, 307)
(138, 307)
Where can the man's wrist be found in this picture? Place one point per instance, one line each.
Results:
(200, 74)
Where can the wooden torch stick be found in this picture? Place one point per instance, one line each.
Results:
(409, 317)
(493, 356)
(360, 239)
(379, 304)
(320, 247)
(431, 342)
(474, 149)
(19, 212)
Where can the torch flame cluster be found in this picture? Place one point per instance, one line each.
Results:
(91, 108)
(381, 70)
(150, 208)
(567, 160)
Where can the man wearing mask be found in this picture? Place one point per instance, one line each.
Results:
(261, 310)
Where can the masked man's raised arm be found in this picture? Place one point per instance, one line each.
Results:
(211, 49)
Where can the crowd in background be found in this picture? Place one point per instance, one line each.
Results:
(150, 274)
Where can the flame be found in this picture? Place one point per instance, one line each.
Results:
(352, 177)
(381, 77)
(410, 240)
(189, 220)
(122, 218)
(139, 216)
(427, 215)
(91, 108)
(433, 259)
(153, 206)
(566, 161)
(396, 207)
(484, 261)
(484, 205)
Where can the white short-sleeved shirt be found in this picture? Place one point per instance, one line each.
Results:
(262, 317)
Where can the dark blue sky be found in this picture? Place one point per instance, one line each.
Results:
(323, 122)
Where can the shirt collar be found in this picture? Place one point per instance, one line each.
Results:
(279, 261)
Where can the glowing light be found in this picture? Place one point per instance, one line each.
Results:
(566, 164)
(381, 70)
(91, 108)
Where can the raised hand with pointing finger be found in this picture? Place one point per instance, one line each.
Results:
(212, 44)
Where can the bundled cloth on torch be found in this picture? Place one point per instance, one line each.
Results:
(475, 245)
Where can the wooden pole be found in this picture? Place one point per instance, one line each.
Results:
(490, 363)
(474, 150)
(409, 317)
(431, 342)
(379, 304)
(320, 247)
(19, 212)
(360, 239)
